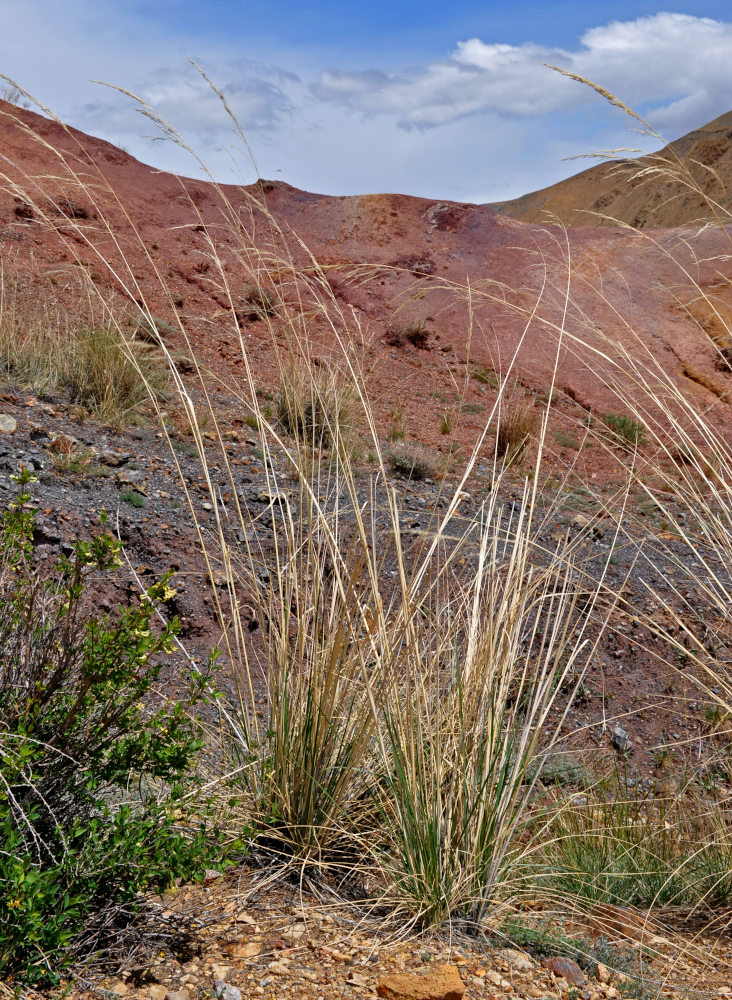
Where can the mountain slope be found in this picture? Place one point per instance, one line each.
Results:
(675, 187)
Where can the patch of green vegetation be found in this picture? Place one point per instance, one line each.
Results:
(411, 461)
(486, 376)
(563, 769)
(472, 408)
(133, 498)
(397, 429)
(565, 441)
(625, 431)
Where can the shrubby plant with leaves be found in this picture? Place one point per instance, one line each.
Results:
(94, 775)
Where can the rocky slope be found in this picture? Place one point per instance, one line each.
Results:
(76, 212)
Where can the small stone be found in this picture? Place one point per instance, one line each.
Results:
(280, 968)
(224, 991)
(156, 992)
(620, 740)
(444, 983)
(210, 876)
(565, 968)
(221, 972)
(246, 949)
(603, 976)
(118, 987)
(177, 995)
(8, 424)
(516, 959)
(130, 476)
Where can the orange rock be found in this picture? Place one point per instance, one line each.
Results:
(444, 983)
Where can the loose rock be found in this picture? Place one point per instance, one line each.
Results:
(516, 959)
(620, 740)
(224, 991)
(444, 983)
(565, 968)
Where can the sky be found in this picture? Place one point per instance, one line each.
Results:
(448, 100)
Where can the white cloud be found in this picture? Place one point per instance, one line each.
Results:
(679, 63)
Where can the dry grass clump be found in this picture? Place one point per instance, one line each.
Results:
(112, 378)
(258, 302)
(107, 375)
(319, 409)
(516, 427)
(415, 333)
(623, 847)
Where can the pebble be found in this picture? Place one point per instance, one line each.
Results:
(8, 424)
(221, 972)
(224, 991)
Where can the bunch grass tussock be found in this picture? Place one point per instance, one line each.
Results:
(98, 367)
(516, 428)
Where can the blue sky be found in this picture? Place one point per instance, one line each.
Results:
(444, 100)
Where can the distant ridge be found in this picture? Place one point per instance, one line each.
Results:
(646, 192)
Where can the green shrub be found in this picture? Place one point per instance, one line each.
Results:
(92, 773)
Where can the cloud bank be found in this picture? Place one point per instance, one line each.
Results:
(677, 63)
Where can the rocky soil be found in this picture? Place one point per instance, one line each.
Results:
(245, 937)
